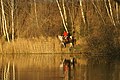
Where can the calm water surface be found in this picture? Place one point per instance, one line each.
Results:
(47, 67)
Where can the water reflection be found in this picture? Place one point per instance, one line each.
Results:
(47, 67)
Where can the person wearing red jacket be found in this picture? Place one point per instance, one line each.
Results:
(65, 34)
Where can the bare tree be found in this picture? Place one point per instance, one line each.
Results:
(36, 17)
(4, 22)
(108, 11)
(3, 28)
(64, 12)
(111, 12)
(117, 12)
(63, 19)
(12, 17)
(83, 15)
(72, 15)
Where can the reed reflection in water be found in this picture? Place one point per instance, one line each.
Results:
(47, 67)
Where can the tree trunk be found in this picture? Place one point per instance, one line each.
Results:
(63, 20)
(4, 22)
(72, 15)
(117, 12)
(111, 12)
(36, 17)
(108, 11)
(3, 27)
(64, 11)
(12, 15)
(83, 15)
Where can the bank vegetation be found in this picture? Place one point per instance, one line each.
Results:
(32, 26)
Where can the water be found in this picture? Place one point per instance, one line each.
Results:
(47, 67)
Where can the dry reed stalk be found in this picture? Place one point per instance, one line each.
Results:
(42, 45)
(57, 46)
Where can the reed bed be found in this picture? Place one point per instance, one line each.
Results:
(34, 45)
